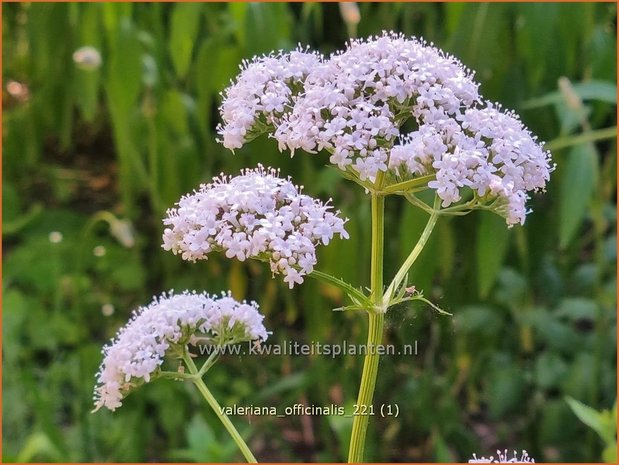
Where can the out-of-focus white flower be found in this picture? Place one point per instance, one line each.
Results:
(503, 457)
(99, 251)
(350, 12)
(134, 356)
(107, 309)
(254, 215)
(122, 230)
(354, 103)
(351, 15)
(18, 90)
(55, 237)
(87, 58)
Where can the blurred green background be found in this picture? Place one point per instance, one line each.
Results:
(93, 157)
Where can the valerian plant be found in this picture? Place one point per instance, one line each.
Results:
(353, 105)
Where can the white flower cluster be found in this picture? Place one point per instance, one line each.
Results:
(484, 149)
(354, 103)
(138, 350)
(262, 93)
(502, 457)
(254, 215)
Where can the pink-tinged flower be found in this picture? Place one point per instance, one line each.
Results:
(254, 215)
(354, 103)
(503, 457)
(261, 94)
(135, 355)
(489, 151)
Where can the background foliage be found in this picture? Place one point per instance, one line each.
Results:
(98, 155)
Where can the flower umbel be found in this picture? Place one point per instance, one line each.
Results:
(261, 94)
(170, 321)
(354, 104)
(503, 457)
(254, 215)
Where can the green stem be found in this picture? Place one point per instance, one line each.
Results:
(401, 274)
(209, 363)
(405, 186)
(375, 334)
(175, 375)
(206, 393)
(378, 239)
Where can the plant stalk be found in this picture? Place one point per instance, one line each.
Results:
(208, 396)
(375, 334)
(425, 235)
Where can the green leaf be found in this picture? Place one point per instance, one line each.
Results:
(238, 14)
(204, 83)
(114, 14)
(556, 334)
(582, 138)
(174, 112)
(184, 28)
(446, 252)
(549, 370)
(267, 27)
(87, 81)
(11, 205)
(342, 427)
(609, 454)
(124, 75)
(288, 383)
(598, 421)
(203, 442)
(492, 242)
(535, 38)
(453, 16)
(39, 447)
(604, 91)
(478, 320)
(579, 179)
(505, 389)
(442, 453)
(577, 308)
(225, 65)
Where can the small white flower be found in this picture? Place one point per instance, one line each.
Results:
(134, 356)
(254, 215)
(503, 457)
